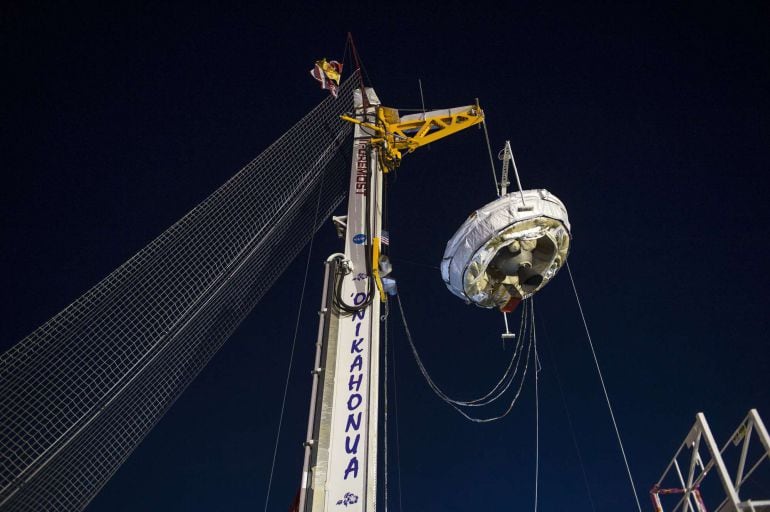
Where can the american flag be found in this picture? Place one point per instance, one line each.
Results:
(385, 238)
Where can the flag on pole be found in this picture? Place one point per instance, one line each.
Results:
(328, 74)
(385, 237)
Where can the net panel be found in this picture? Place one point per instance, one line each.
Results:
(79, 393)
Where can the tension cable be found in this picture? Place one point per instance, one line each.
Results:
(294, 341)
(604, 388)
(537, 407)
(567, 413)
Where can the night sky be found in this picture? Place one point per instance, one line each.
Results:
(651, 123)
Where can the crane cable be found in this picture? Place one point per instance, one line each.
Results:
(491, 158)
(604, 388)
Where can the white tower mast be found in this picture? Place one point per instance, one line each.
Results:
(341, 447)
(340, 466)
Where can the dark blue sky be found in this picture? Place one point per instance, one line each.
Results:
(651, 122)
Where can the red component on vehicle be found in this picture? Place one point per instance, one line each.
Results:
(511, 305)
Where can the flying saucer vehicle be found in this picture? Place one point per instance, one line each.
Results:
(507, 250)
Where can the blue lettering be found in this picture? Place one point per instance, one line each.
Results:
(354, 448)
(354, 422)
(352, 468)
(354, 398)
(358, 362)
(355, 384)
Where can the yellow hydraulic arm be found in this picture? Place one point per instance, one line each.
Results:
(399, 135)
(396, 136)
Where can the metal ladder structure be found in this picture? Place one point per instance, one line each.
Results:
(702, 455)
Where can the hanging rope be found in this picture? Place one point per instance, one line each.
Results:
(444, 396)
(395, 417)
(537, 406)
(499, 388)
(604, 388)
(293, 345)
(384, 320)
(505, 382)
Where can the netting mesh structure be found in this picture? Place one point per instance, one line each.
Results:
(81, 392)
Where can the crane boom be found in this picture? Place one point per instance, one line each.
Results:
(404, 134)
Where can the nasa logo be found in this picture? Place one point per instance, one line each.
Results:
(359, 239)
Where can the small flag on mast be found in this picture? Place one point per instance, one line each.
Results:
(328, 74)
